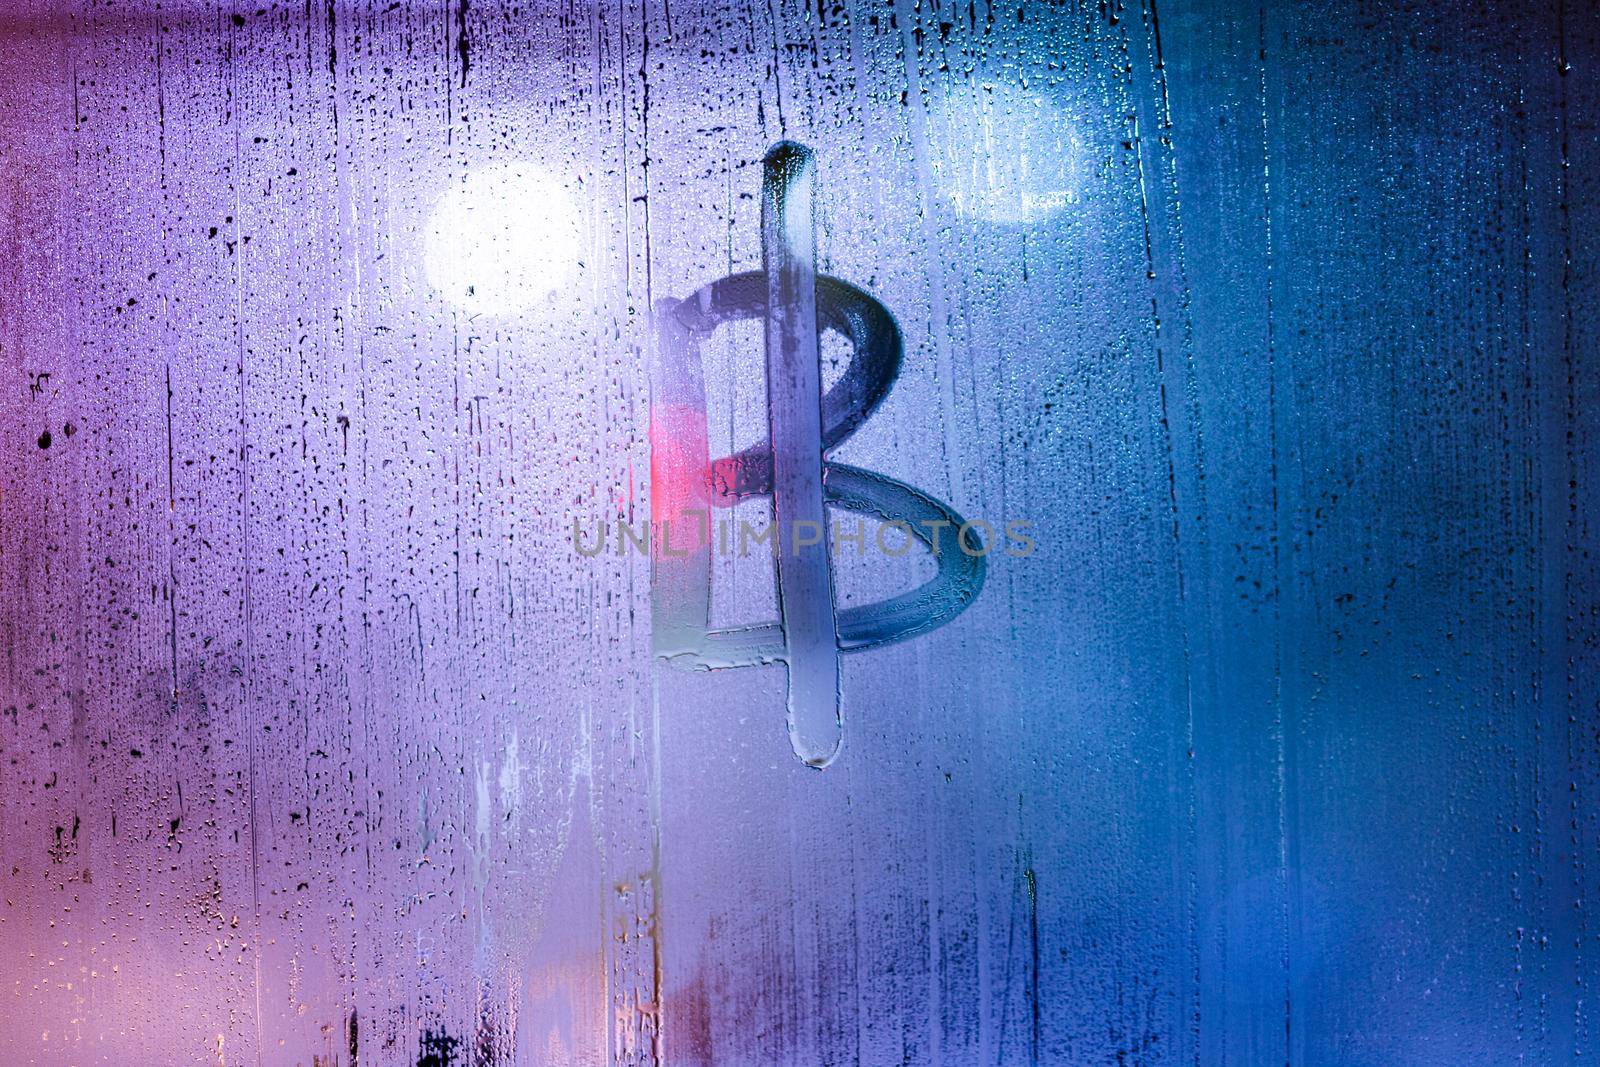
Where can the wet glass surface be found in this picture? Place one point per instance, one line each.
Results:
(331, 335)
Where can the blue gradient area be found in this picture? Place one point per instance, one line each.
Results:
(1282, 748)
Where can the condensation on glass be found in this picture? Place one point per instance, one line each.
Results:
(329, 340)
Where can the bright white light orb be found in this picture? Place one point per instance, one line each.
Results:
(503, 239)
(1005, 154)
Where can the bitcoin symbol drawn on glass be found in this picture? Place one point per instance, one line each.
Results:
(791, 467)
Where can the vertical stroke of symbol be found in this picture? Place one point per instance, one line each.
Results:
(791, 467)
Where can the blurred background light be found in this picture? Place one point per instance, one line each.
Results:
(502, 240)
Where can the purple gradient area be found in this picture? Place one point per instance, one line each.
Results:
(322, 742)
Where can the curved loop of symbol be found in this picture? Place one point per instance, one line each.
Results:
(791, 467)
